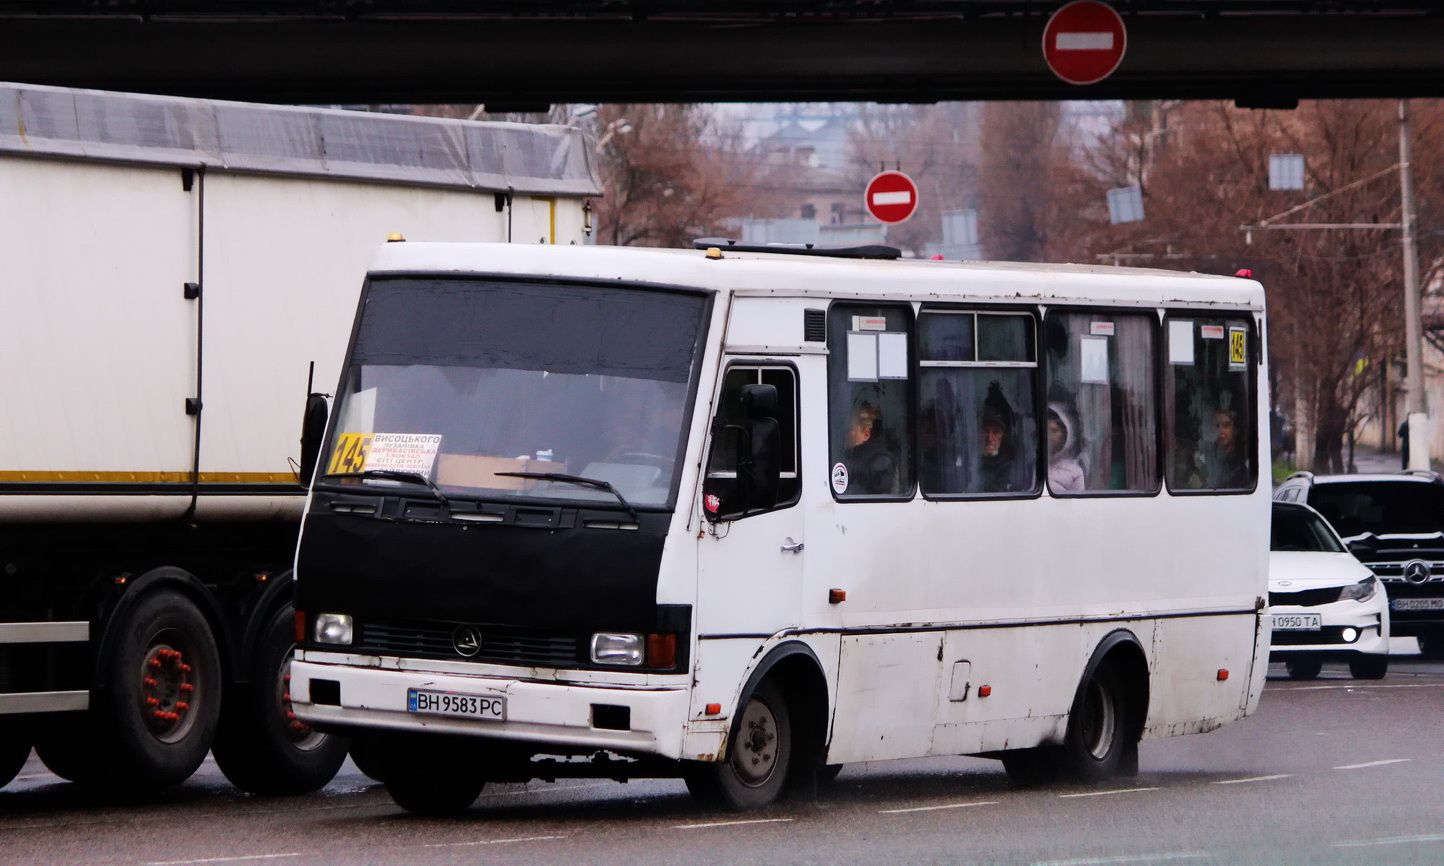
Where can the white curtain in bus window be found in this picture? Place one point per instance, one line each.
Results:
(1210, 422)
(869, 424)
(1100, 422)
(977, 429)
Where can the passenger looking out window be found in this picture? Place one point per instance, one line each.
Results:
(867, 376)
(1065, 473)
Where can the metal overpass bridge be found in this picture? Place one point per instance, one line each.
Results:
(516, 54)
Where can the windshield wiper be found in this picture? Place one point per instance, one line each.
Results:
(396, 475)
(594, 483)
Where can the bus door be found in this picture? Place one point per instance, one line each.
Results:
(750, 558)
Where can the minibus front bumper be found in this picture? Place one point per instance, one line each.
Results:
(338, 692)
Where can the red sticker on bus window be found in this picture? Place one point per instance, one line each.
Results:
(713, 503)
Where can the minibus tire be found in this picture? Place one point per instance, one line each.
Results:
(369, 756)
(754, 770)
(1303, 668)
(258, 746)
(828, 772)
(1099, 727)
(434, 792)
(14, 751)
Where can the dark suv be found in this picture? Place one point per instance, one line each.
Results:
(1394, 523)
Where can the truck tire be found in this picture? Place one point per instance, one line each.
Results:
(158, 717)
(14, 750)
(261, 747)
(66, 746)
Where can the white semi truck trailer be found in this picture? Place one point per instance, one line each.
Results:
(176, 275)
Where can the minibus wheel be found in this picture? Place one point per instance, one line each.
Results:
(1098, 728)
(1369, 667)
(432, 775)
(759, 756)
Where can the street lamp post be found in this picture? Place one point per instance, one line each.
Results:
(1418, 420)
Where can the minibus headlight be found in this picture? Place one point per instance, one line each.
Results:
(334, 628)
(1361, 591)
(614, 648)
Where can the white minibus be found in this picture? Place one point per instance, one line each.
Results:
(744, 515)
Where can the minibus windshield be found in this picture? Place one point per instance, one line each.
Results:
(485, 387)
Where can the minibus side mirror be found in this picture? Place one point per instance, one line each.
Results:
(313, 431)
(758, 466)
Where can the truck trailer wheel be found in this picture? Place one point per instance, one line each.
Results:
(261, 746)
(157, 719)
(14, 750)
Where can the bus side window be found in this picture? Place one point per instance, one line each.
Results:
(1210, 420)
(870, 427)
(977, 433)
(1101, 373)
(721, 498)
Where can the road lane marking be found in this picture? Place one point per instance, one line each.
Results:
(1352, 687)
(227, 859)
(492, 842)
(1129, 858)
(731, 823)
(1255, 779)
(936, 808)
(1396, 840)
(1373, 764)
(1106, 793)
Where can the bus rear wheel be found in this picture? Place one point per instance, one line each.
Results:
(1100, 729)
(754, 771)
(261, 746)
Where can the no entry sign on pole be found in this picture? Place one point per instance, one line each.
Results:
(1084, 42)
(891, 197)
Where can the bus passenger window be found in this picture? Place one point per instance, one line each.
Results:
(1101, 430)
(1211, 419)
(867, 384)
(720, 492)
(977, 432)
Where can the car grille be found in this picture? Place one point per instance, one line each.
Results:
(1326, 635)
(498, 645)
(1393, 572)
(1307, 597)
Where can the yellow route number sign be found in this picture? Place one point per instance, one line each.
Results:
(350, 453)
(1238, 348)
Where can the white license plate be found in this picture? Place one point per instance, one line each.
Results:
(1297, 622)
(1417, 604)
(491, 707)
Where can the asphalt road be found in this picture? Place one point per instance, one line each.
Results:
(1328, 771)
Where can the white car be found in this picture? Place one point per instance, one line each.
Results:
(1326, 605)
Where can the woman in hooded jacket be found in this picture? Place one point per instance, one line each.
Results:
(1065, 473)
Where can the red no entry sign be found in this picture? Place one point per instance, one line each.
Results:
(1084, 42)
(891, 197)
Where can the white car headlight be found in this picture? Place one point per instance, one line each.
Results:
(613, 648)
(1361, 591)
(333, 628)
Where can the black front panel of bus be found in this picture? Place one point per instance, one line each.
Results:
(530, 579)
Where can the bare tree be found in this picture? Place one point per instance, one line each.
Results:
(672, 173)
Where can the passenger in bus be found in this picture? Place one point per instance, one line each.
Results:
(998, 444)
(1065, 473)
(1226, 461)
(872, 467)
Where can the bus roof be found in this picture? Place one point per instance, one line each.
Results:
(783, 275)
